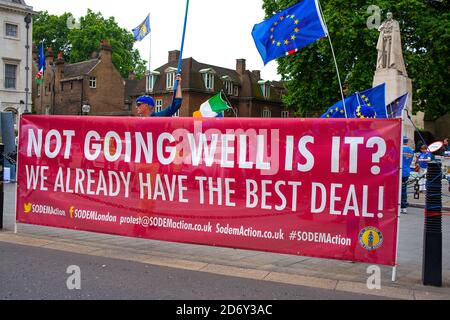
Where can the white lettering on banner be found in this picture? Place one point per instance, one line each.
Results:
(354, 143)
(255, 199)
(203, 151)
(381, 144)
(260, 152)
(96, 146)
(58, 144)
(323, 203)
(170, 150)
(110, 136)
(334, 200)
(352, 202)
(251, 150)
(144, 147)
(34, 145)
(154, 187)
(243, 153)
(309, 165)
(89, 182)
(227, 150)
(335, 154)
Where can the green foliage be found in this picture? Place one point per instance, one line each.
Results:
(78, 44)
(425, 26)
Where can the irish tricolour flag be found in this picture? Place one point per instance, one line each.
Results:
(213, 107)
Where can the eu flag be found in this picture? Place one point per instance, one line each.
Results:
(290, 30)
(395, 109)
(41, 59)
(369, 104)
(142, 30)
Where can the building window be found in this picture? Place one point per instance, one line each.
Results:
(71, 85)
(170, 80)
(229, 87)
(12, 30)
(209, 81)
(10, 76)
(151, 80)
(93, 82)
(266, 113)
(236, 91)
(62, 87)
(176, 115)
(285, 114)
(265, 89)
(158, 106)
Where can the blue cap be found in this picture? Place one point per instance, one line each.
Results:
(405, 139)
(146, 100)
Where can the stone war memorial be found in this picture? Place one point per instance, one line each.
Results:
(391, 69)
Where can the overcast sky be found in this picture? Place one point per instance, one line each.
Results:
(219, 31)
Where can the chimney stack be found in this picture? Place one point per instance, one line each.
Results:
(49, 57)
(257, 74)
(240, 66)
(174, 56)
(105, 51)
(60, 66)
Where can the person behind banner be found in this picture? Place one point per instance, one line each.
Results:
(445, 151)
(408, 156)
(424, 158)
(145, 105)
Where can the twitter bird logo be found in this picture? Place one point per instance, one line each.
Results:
(27, 207)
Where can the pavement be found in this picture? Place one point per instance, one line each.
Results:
(105, 278)
(334, 276)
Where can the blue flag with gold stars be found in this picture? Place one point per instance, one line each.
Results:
(395, 109)
(370, 104)
(142, 30)
(290, 30)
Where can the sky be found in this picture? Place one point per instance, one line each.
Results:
(218, 31)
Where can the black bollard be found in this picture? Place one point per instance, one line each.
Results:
(432, 249)
(2, 163)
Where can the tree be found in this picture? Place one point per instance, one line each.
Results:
(79, 42)
(310, 74)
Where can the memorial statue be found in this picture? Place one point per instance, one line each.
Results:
(389, 46)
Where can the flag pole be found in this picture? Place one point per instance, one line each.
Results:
(150, 51)
(181, 50)
(334, 57)
(229, 103)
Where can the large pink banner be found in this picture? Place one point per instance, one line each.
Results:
(309, 187)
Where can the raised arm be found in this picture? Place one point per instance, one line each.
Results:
(176, 103)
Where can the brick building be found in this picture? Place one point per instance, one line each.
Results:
(249, 95)
(67, 87)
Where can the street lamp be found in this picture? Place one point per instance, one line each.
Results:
(86, 109)
(53, 66)
(27, 20)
